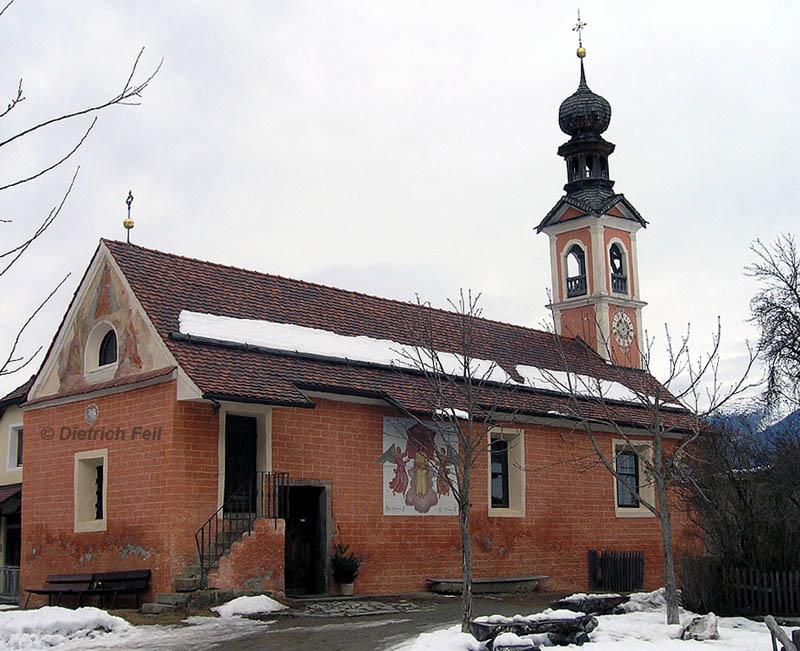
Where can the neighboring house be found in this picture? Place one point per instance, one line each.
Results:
(179, 392)
(11, 449)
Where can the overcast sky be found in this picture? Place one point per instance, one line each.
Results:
(407, 147)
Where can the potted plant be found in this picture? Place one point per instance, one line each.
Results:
(345, 567)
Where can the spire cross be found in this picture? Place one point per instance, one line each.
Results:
(579, 27)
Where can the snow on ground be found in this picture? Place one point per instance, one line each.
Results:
(248, 606)
(87, 628)
(201, 632)
(643, 629)
(52, 625)
(442, 640)
(580, 596)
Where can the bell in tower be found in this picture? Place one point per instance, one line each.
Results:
(592, 231)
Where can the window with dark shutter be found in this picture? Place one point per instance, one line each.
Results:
(500, 497)
(627, 475)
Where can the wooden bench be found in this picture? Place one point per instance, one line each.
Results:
(487, 586)
(96, 584)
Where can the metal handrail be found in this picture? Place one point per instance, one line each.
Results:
(262, 495)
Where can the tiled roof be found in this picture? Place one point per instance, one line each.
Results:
(165, 284)
(18, 395)
(121, 381)
(8, 491)
(591, 201)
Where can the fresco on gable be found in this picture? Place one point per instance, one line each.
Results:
(108, 301)
(415, 469)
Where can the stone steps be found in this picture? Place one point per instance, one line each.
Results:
(186, 584)
(166, 601)
(155, 608)
(172, 598)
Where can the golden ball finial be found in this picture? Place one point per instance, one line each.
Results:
(127, 223)
(581, 52)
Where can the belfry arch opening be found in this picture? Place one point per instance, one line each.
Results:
(576, 271)
(619, 277)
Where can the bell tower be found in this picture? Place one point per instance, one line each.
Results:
(592, 231)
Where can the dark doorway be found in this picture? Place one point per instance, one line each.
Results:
(13, 539)
(306, 536)
(241, 445)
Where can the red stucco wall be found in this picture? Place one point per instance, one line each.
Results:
(160, 492)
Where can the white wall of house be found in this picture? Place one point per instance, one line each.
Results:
(10, 420)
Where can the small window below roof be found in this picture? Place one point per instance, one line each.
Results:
(101, 354)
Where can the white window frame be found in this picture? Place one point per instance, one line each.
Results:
(565, 268)
(11, 464)
(91, 358)
(84, 490)
(516, 472)
(263, 416)
(645, 488)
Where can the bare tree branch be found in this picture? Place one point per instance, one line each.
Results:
(3, 10)
(17, 251)
(129, 90)
(459, 394)
(674, 415)
(13, 364)
(19, 98)
(54, 165)
(775, 309)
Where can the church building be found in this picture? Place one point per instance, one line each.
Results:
(226, 428)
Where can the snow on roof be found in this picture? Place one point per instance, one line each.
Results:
(314, 341)
(451, 412)
(386, 352)
(585, 386)
(290, 337)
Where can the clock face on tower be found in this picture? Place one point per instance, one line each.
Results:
(622, 328)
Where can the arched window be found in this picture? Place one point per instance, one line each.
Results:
(576, 271)
(108, 349)
(619, 279)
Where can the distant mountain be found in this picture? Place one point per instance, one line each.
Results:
(788, 426)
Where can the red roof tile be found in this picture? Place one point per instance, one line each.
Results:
(18, 395)
(165, 284)
(122, 381)
(8, 491)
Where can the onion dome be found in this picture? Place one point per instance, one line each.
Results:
(584, 113)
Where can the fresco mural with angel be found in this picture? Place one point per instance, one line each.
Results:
(415, 468)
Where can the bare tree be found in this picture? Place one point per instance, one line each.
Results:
(744, 494)
(461, 395)
(131, 91)
(672, 414)
(776, 311)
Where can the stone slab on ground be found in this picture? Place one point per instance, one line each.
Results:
(352, 607)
